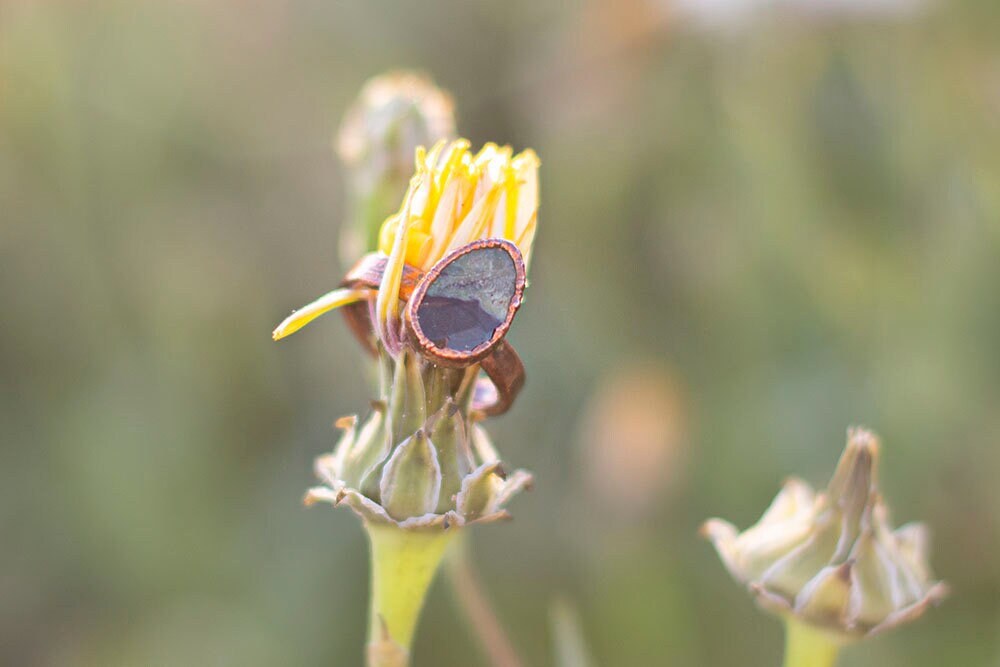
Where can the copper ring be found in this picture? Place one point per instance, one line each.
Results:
(498, 359)
(368, 273)
(505, 370)
(463, 358)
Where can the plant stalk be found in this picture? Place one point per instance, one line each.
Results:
(403, 563)
(806, 646)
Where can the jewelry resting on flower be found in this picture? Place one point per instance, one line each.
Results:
(457, 314)
(455, 198)
(463, 306)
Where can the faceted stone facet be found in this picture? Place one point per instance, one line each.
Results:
(468, 299)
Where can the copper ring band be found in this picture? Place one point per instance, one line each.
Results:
(505, 370)
(465, 357)
(368, 273)
(502, 365)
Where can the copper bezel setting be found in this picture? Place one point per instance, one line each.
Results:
(454, 358)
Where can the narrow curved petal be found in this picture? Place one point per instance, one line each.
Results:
(387, 302)
(324, 304)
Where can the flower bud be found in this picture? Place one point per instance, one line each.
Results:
(833, 559)
(360, 451)
(454, 455)
(393, 114)
(411, 480)
(408, 404)
(404, 468)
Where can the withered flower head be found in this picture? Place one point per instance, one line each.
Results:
(832, 559)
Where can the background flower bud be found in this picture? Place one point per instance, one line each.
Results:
(633, 438)
(393, 115)
(832, 559)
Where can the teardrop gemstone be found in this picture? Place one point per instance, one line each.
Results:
(468, 299)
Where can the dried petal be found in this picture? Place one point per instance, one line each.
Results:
(482, 446)
(449, 436)
(349, 427)
(479, 491)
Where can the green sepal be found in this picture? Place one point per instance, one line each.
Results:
(411, 480)
(407, 401)
(450, 438)
(370, 448)
(478, 494)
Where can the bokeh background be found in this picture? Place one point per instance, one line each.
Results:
(762, 222)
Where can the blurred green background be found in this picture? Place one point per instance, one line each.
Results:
(759, 225)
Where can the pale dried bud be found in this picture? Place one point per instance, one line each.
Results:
(394, 114)
(450, 436)
(832, 559)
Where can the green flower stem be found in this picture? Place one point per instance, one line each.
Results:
(805, 646)
(369, 206)
(403, 566)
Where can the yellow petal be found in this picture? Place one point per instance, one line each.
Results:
(324, 304)
(387, 302)
(485, 154)
(504, 219)
(452, 160)
(476, 222)
(526, 239)
(418, 245)
(387, 234)
(466, 197)
(461, 197)
(434, 154)
(526, 165)
(420, 201)
(444, 217)
(497, 225)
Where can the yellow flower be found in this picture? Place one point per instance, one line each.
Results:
(458, 197)
(455, 197)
